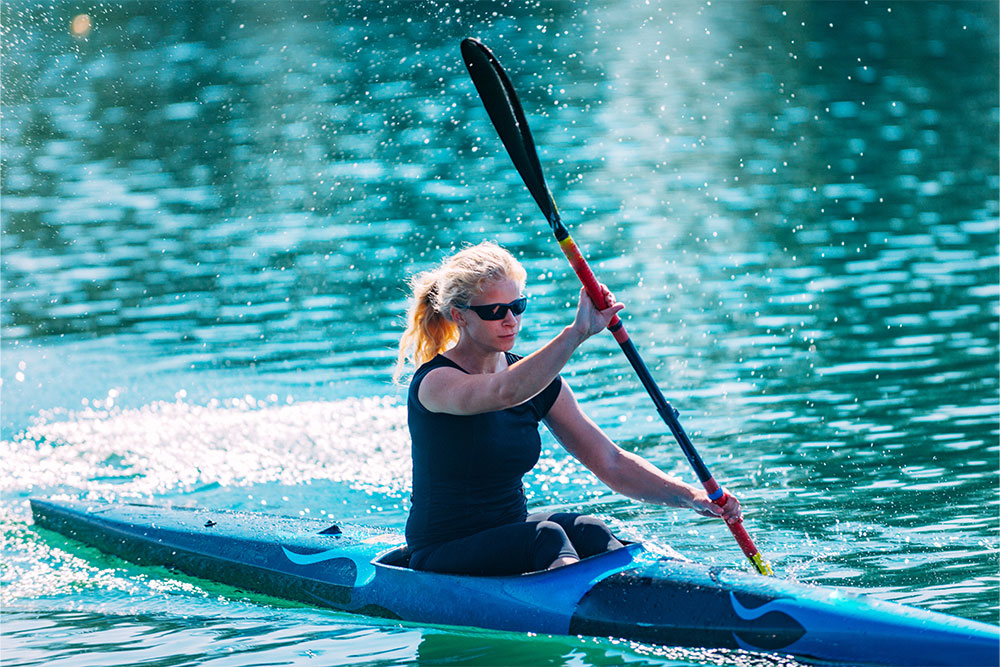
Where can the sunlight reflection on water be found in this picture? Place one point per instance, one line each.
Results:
(798, 205)
(176, 447)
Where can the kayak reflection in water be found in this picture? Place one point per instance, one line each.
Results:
(473, 410)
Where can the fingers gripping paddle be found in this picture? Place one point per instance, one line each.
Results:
(500, 99)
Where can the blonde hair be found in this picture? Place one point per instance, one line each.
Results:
(429, 327)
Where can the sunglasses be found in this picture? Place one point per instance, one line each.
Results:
(498, 311)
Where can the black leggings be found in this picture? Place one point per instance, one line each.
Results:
(519, 547)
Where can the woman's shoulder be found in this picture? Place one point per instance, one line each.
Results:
(438, 361)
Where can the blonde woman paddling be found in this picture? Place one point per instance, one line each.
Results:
(473, 411)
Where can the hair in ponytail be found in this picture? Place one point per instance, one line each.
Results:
(429, 327)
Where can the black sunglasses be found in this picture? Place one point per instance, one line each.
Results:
(498, 311)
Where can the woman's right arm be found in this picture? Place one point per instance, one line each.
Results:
(451, 391)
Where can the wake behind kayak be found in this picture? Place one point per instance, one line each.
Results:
(627, 593)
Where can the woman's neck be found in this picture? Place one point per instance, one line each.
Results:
(476, 360)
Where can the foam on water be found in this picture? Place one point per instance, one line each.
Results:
(180, 450)
(113, 453)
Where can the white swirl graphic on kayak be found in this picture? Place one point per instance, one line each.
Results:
(770, 638)
(748, 614)
(365, 570)
(310, 559)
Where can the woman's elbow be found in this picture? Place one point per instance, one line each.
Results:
(610, 470)
(507, 395)
(503, 394)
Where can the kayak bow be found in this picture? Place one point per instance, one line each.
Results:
(628, 593)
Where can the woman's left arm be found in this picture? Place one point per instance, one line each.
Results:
(625, 472)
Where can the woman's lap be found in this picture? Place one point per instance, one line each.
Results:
(589, 535)
(519, 547)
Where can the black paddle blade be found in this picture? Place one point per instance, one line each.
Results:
(500, 100)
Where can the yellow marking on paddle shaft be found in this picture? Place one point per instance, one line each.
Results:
(573, 254)
(762, 565)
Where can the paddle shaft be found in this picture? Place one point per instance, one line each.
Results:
(663, 407)
(501, 102)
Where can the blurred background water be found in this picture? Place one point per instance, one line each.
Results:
(210, 210)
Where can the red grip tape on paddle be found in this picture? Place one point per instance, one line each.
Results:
(739, 532)
(590, 284)
(742, 538)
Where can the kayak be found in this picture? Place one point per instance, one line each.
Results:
(629, 593)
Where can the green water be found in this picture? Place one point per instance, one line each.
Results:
(210, 210)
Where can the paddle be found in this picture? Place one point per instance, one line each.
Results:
(500, 99)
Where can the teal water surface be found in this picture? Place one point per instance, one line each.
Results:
(210, 210)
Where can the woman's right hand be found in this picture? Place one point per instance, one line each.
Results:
(589, 318)
(731, 510)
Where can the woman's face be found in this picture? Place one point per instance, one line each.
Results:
(495, 335)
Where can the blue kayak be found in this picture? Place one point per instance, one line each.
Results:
(629, 593)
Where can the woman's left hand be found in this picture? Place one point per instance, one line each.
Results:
(592, 318)
(730, 511)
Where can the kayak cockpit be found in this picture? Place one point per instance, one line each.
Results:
(398, 557)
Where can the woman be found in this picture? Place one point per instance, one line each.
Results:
(473, 412)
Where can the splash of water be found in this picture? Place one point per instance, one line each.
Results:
(114, 453)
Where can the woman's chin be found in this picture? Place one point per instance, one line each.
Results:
(507, 342)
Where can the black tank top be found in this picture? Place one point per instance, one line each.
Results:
(467, 469)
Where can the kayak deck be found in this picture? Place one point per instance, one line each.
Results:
(628, 593)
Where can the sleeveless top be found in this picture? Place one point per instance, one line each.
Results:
(467, 469)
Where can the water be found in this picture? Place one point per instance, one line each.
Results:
(210, 211)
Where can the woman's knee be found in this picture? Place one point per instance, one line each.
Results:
(550, 532)
(551, 543)
(591, 536)
(591, 524)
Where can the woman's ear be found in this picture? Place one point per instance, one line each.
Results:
(457, 316)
